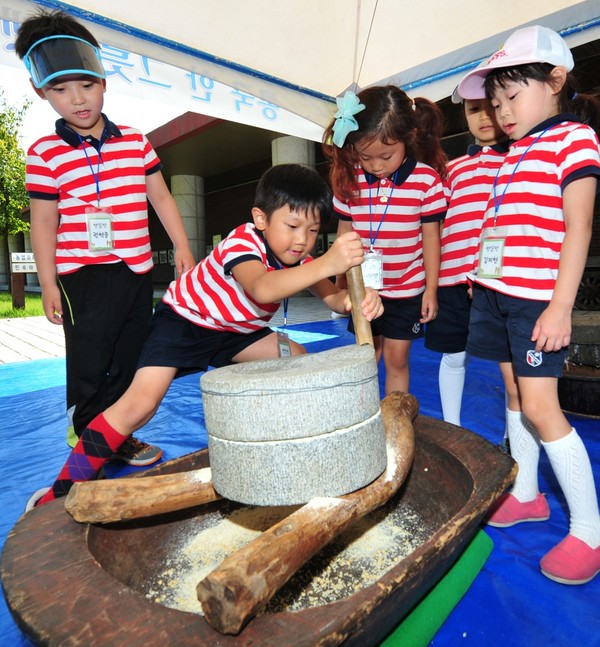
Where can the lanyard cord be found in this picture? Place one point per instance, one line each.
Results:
(372, 238)
(498, 201)
(286, 300)
(95, 175)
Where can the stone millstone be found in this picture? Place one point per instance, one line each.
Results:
(291, 472)
(281, 432)
(292, 397)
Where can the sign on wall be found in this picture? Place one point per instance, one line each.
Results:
(22, 263)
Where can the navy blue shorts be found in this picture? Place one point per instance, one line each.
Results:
(448, 332)
(400, 319)
(500, 329)
(179, 343)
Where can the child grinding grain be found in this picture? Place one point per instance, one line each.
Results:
(218, 312)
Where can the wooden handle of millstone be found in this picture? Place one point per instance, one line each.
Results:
(111, 500)
(356, 290)
(246, 580)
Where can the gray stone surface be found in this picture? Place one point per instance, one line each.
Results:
(291, 398)
(291, 472)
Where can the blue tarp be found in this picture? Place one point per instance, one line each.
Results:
(509, 603)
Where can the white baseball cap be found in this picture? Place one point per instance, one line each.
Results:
(534, 44)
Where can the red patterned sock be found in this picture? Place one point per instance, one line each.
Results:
(97, 444)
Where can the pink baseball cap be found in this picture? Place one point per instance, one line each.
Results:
(457, 97)
(534, 44)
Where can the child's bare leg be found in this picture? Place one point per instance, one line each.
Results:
(378, 345)
(395, 357)
(109, 430)
(539, 399)
(266, 348)
(513, 397)
(139, 403)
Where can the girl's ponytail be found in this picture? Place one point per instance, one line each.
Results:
(587, 107)
(341, 171)
(389, 115)
(430, 129)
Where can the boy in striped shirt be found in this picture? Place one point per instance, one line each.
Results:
(218, 313)
(88, 184)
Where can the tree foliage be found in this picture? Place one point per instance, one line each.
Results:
(13, 195)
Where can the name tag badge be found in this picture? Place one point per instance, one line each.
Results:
(372, 269)
(491, 255)
(283, 344)
(99, 229)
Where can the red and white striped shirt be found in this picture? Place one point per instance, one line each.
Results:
(209, 296)
(468, 187)
(58, 169)
(530, 214)
(393, 213)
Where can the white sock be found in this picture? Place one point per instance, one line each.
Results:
(452, 382)
(525, 449)
(571, 464)
(506, 417)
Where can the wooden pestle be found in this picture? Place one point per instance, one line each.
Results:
(246, 580)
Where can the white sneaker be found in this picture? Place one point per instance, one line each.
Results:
(35, 497)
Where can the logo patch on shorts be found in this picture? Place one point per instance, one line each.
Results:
(416, 328)
(534, 358)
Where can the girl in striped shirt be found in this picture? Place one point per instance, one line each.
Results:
(532, 252)
(468, 186)
(386, 169)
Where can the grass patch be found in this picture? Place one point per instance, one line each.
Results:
(33, 306)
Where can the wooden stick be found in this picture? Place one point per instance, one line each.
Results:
(111, 500)
(246, 580)
(356, 289)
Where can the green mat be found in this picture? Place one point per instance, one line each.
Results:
(424, 621)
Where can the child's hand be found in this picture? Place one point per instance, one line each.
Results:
(52, 305)
(429, 306)
(371, 307)
(552, 331)
(184, 260)
(346, 252)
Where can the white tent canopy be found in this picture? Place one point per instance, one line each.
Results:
(301, 54)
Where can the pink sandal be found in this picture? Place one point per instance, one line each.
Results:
(508, 511)
(572, 561)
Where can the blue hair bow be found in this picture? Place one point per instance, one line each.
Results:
(345, 123)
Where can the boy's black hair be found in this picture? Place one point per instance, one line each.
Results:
(49, 23)
(298, 186)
